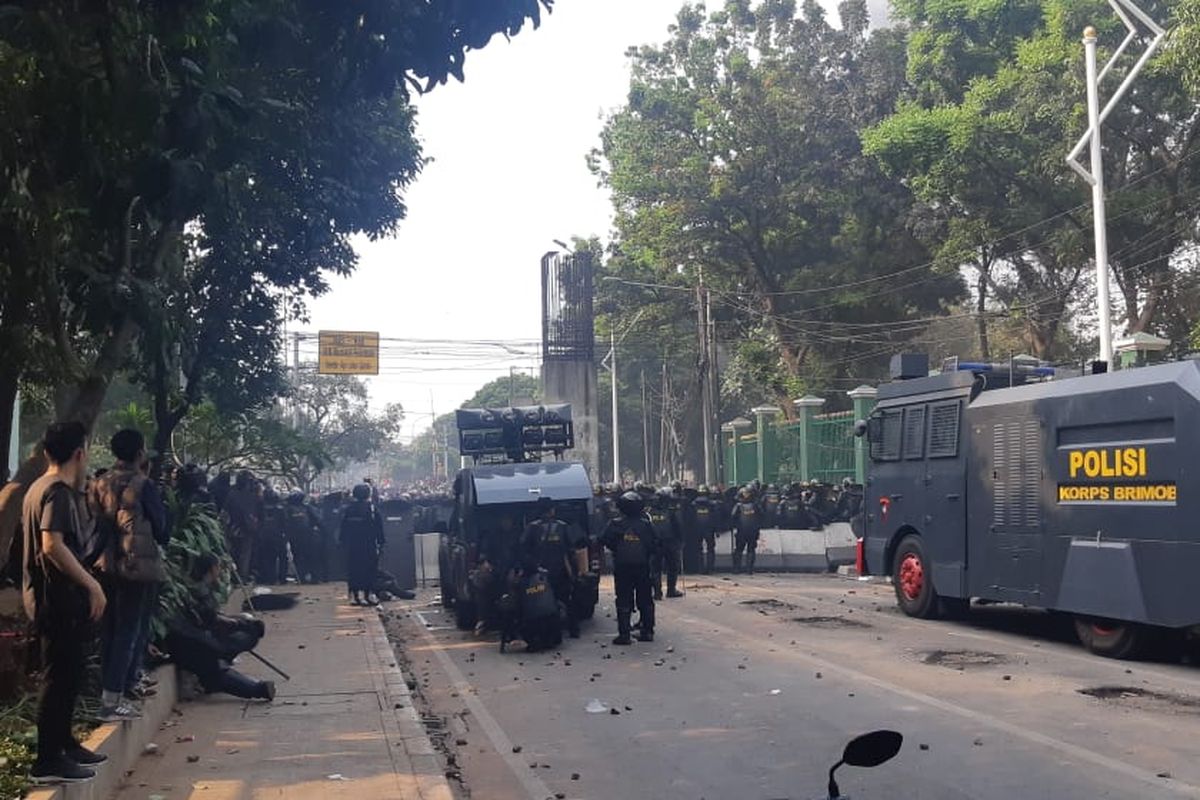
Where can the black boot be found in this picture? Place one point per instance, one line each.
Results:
(647, 632)
(710, 561)
(750, 562)
(623, 628)
(672, 584)
(737, 562)
(235, 683)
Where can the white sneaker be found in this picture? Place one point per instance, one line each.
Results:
(121, 712)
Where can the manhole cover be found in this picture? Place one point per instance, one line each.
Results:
(1144, 699)
(769, 602)
(962, 659)
(831, 622)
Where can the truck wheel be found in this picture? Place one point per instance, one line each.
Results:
(913, 581)
(464, 614)
(1111, 638)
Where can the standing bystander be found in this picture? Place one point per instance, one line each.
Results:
(132, 522)
(62, 599)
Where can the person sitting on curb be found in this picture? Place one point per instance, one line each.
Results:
(204, 642)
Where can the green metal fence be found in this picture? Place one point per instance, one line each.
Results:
(819, 447)
(831, 454)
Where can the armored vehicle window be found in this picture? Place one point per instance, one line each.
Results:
(886, 446)
(914, 432)
(943, 429)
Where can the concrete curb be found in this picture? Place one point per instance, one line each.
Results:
(406, 736)
(122, 742)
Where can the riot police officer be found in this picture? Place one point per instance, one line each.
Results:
(704, 527)
(362, 537)
(303, 527)
(770, 506)
(549, 545)
(631, 540)
(664, 517)
(272, 541)
(849, 501)
(747, 523)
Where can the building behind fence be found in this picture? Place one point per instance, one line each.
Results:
(813, 447)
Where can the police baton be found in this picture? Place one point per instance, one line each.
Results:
(286, 677)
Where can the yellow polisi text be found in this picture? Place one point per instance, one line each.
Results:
(1110, 462)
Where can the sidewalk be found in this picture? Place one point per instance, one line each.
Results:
(344, 726)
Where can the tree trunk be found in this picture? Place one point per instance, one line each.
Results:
(84, 404)
(981, 322)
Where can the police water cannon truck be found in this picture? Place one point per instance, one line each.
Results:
(518, 457)
(1008, 483)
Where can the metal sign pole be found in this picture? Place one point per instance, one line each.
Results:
(1099, 216)
(1096, 116)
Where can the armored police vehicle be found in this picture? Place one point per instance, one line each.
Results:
(1007, 483)
(496, 497)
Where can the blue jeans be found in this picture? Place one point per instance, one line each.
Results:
(124, 619)
(149, 606)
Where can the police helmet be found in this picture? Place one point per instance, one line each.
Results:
(631, 504)
(361, 492)
(847, 482)
(270, 495)
(703, 490)
(744, 493)
(639, 486)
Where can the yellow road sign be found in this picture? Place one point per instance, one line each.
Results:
(348, 353)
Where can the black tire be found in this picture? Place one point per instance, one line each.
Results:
(913, 581)
(1112, 638)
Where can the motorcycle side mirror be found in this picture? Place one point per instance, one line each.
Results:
(868, 750)
(873, 749)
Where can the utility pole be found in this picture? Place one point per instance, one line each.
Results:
(1096, 117)
(705, 393)
(645, 432)
(616, 424)
(714, 386)
(295, 379)
(663, 433)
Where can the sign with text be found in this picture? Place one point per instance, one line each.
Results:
(348, 353)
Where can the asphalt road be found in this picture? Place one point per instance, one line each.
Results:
(754, 685)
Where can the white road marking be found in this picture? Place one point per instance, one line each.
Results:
(528, 779)
(1074, 751)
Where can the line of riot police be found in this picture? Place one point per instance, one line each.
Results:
(688, 521)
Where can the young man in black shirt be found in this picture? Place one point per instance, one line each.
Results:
(62, 599)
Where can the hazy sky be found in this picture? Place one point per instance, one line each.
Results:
(507, 177)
